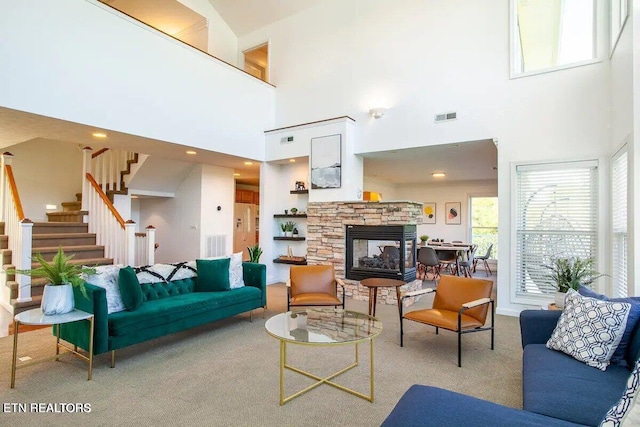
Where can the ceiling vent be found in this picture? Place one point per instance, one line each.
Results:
(286, 140)
(446, 117)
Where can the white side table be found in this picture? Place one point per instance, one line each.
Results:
(36, 317)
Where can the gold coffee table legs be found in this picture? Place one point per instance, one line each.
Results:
(320, 380)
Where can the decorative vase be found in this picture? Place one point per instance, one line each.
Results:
(57, 299)
(288, 233)
(559, 299)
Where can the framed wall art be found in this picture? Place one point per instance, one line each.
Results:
(326, 162)
(452, 213)
(429, 210)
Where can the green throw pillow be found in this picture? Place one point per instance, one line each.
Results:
(130, 289)
(213, 275)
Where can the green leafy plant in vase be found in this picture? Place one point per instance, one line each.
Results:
(255, 252)
(289, 226)
(283, 227)
(570, 273)
(423, 239)
(63, 276)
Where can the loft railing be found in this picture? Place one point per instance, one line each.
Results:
(18, 228)
(107, 166)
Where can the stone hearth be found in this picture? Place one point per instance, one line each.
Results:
(326, 229)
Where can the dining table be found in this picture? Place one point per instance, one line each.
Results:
(459, 248)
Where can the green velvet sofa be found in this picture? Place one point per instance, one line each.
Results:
(167, 308)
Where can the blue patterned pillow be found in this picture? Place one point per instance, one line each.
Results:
(589, 329)
(620, 355)
(627, 410)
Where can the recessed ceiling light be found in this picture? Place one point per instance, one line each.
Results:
(248, 163)
(292, 160)
(99, 135)
(236, 174)
(438, 175)
(191, 152)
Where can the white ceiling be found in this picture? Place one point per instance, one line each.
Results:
(245, 16)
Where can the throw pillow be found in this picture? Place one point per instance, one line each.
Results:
(213, 275)
(589, 329)
(130, 288)
(627, 410)
(107, 277)
(619, 356)
(235, 271)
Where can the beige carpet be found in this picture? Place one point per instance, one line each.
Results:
(226, 374)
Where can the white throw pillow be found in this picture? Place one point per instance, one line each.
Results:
(627, 411)
(589, 329)
(236, 279)
(107, 277)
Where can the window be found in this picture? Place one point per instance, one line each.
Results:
(618, 15)
(556, 216)
(484, 224)
(619, 223)
(551, 34)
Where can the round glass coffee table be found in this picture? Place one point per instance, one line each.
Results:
(323, 327)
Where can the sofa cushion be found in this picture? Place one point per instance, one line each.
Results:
(129, 288)
(167, 310)
(624, 355)
(106, 276)
(422, 406)
(590, 329)
(559, 386)
(235, 271)
(213, 275)
(627, 410)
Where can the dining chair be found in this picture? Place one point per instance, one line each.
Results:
(313, 285)
(460, 305)
(448, 260)
(467, 262)
(427, 257)
(484, 259)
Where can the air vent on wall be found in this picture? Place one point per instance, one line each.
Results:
(286, 140)
(446, 117)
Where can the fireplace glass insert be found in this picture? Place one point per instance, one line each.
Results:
(387, 251)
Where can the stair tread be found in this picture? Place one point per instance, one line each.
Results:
(85, 261)
(68, 249)
(62, 235)
(59, 224)
(36, 301)
(64, 213)
(35, 283)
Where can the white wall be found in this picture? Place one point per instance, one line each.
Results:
(385, 188)
(176, 219)
(223, 43)
(218, 189)
(421, 58)
(83, 62)
(442, 193)
(46, 172)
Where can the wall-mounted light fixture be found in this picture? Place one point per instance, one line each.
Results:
(377, 113)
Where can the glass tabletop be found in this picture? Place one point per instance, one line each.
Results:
(323, 326)
(37, 317)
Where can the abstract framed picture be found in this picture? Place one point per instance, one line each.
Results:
(429, 211)
(452, 213)
(326, 162)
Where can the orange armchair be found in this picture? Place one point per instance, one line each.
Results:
(460, 305)
(313, 285)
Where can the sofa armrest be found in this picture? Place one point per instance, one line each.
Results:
(77, 333)
(256, 275)
(536, 326)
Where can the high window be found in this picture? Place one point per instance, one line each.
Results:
(551, 34)
(619, 224)
(556, 215)
(484, 224)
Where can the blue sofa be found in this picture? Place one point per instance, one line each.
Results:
(557, 389)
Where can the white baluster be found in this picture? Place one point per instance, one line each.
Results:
(151, 244)
(24, 260)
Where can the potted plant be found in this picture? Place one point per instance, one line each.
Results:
(58, 295)
(289, 226)
(283, 227)
(570, 273)
(423, 239)
(254, 253)
(293, 211)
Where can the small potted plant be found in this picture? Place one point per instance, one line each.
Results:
(570, 273)
(423, 239)
(255, 252)
(58, 295)
(283, 227)
(293, 211)
(289, 226)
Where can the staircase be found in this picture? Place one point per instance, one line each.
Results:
(64, 229)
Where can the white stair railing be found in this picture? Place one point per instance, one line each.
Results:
(107, 165)
(146, 246)
(18, 228)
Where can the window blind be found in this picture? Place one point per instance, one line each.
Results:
(619, 223)
(556, 216)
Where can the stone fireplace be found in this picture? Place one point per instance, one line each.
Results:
(327, 224)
